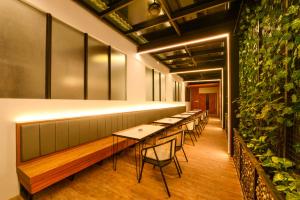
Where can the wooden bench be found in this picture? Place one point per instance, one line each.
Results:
(49, 151)
(43, 172)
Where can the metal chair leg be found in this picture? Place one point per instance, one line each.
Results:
(184, 154)
(176, 164)
(165, 182)
(141, 171)
(191, 139)
(176, 159)
(195, 136)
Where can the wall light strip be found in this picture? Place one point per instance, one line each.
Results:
(208, 80)
(224, 35)
(198, 70)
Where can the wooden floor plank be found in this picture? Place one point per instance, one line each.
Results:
(209, 175)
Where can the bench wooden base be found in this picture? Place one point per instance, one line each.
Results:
(40, 173)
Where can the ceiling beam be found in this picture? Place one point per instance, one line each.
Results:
(205, 59)
(204, 32)
(166, 9)
(203, 65)
(194, 8)
(195, 54)
(114, 7)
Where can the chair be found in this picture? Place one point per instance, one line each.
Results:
(189, 129)
(197, 125)
(179, 136)
(160, 155)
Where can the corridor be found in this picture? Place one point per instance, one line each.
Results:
(209, 175)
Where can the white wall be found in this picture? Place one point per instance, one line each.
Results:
(13, 110)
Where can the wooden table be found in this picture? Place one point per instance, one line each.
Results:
(169, 121)
(181, 116)
(138, 133)
(188, 113)
(195, 111)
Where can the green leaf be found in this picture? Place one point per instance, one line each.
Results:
(296, 24)
(294, 98)
(292, 196)
(288, 86)
(278, 177)
(293, 9)
(281, 187)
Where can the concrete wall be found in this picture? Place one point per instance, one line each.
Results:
(17, 110)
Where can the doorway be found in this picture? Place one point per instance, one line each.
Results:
(206, 99)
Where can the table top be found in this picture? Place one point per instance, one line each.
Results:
(168, 120)
(139, 132)
(194, 111)
(181, 116)
(188, 113)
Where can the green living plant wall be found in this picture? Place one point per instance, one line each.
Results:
(269, 54)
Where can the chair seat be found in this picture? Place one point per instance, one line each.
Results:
(162, 154)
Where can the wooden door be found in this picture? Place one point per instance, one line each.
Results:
(198, 101)
(212, 102)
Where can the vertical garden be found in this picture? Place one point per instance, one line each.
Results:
(269, 103)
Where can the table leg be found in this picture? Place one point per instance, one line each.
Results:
(115, 152)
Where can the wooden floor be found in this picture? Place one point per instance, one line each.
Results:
(209, 175)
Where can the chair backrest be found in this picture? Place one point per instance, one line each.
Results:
(202, 117)
(161, 152)
(178, 136)
(190, 125)
(196, 121)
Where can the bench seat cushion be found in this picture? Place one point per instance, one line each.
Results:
(38, 174)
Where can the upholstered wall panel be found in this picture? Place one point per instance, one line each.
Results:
(125, 120)
(93, 129)
(30, 141)
(108, 125)
(73, 132)
(84, 131)
(43, 138)
(47, 138)
(62, 135)
(101, 127)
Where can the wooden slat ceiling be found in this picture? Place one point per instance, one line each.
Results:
(178, 20)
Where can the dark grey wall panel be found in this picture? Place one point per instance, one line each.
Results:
(30, 142)
(62, 135)
(22, 50)
(67, 74)
(97, 70)
(74, 132)
(47, 138)
(118, 75)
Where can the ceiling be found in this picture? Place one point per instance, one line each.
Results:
(177, 21)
